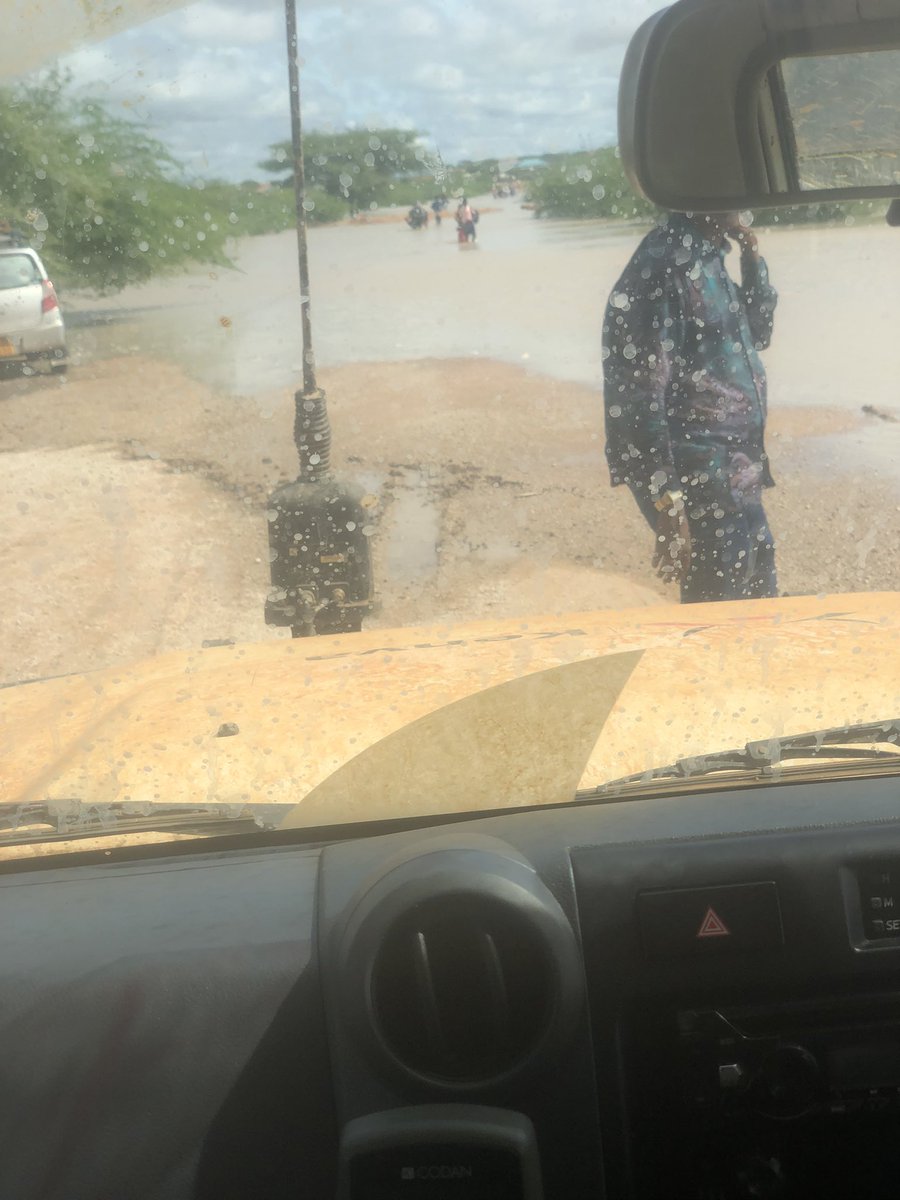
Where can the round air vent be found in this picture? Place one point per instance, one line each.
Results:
(460, 969)
(462, 988)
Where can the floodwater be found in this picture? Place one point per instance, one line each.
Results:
(381, 292)
(531, 292)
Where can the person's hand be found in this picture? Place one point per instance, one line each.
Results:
(744, 236)
(672, 556)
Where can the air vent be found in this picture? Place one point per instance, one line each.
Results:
(463, 988)
(457, 969)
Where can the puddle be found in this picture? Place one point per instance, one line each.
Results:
(410, 550)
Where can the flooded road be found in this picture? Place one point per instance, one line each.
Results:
(532, 293)
(464, 391)
(381, 292)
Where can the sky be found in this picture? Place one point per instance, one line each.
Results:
(503, 78)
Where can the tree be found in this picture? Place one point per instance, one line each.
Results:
(589, 183)
(101, 198)
(355, 165)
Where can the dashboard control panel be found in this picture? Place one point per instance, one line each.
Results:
(697, 998)
(879, 898)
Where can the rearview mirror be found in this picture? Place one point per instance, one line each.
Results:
(756, 103)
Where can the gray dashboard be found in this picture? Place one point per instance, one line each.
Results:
(228, 1021)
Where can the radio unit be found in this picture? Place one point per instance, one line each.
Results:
(796, 1100)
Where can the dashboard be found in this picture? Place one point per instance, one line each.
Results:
(696, 996)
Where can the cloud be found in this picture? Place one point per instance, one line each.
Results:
(419, 22)
(509, 78)
(216, 24)
(439, 77)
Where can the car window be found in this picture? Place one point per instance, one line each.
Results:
(18, 270)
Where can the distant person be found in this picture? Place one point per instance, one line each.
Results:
(466, 219)
(685, 399)
(438, 205)
(417, 217)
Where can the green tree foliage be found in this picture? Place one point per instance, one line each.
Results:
(593, 184)
(356, 166)
(98, 195)
(588, 184)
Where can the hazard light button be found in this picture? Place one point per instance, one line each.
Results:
(737, 918)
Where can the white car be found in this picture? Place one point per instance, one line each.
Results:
(31, 324)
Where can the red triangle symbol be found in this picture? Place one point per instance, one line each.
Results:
(712, 925)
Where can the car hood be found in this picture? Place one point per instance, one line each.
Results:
(273, 722)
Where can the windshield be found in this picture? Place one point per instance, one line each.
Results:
(258, 489)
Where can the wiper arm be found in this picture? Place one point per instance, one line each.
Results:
(66, 820)
(860, 743)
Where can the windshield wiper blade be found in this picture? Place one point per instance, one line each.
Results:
(862, 743)
(68, 820)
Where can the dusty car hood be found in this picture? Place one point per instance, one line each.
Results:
(709, 677)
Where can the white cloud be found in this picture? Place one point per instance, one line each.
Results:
(213, 24)
(439, 77)
(507, 77)
(419, 22)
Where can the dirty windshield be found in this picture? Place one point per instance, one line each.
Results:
(272, 496)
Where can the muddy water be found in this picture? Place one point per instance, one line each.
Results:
(527, 292)
(410, 551)
(531, 292)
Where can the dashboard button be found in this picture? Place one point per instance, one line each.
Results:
(707, 921)
(879, 893)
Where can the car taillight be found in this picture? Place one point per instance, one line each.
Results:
(48, 300)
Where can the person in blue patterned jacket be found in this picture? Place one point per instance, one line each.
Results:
(685, 400)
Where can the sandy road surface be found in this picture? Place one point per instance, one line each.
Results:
(135, 490)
